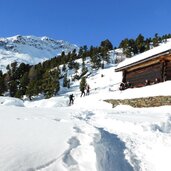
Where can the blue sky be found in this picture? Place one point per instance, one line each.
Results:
(85, 22)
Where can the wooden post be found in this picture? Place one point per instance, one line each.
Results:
(163, 71)
(124, 76)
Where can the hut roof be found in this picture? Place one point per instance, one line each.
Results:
(164, 48)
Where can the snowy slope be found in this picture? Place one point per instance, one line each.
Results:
(30, 49)
(49, 135)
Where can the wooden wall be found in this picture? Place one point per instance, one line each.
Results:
(168, 70)
(138, 77)
(155, 70)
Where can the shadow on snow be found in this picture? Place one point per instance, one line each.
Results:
(110, 153)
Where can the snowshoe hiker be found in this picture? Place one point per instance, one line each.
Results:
(82, 91)
(71, 99)
(87, 89)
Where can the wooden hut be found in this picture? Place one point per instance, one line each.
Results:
(147, 68)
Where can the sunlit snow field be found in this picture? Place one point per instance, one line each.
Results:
(49, 135)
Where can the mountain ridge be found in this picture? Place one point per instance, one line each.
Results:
(31, 49)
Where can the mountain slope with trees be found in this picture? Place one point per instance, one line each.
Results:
(46, 78)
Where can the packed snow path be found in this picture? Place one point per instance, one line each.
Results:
(109, 149)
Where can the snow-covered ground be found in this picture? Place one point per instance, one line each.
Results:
(49, 135)
(31, 49)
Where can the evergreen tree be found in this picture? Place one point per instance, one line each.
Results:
(84, 68)
(64, 68)
(106, 44)
(21, 70)
(105, 56)
(85, 48)
(24, 81)
(96, 61)
(65, 81)
(32, 73)
(32, 89)
(11, 79)
(132, 49)
(127, 49)
(156, 40)
(36, 72)
(35, 75)
(68, 83)
(63, 54)
(19, 94)
(147, 44)
(13, 70)
(83, 83)
(76, 67)
(12, 88)
(2, 84)
(140, 43)
(81, 51)
(51, 83)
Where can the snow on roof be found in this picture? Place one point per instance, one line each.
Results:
(148, 54)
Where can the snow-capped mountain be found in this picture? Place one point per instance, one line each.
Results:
(31, 49)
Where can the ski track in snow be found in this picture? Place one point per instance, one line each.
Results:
(110, 152)
(140, 139)
(68, 159)
(108, 148)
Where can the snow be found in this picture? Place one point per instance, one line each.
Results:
(162, 48)
(49, 135)
(31, 49)
(9, 101)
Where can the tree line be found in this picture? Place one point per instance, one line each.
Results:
(138, 45)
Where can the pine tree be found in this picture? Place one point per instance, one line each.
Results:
(106, 44)
(85, 48)
(68, 83)
(24, 81)
(12, 88)
(50, 83)
(21, 70)
(140, 43)
(105, 56)
(64, 68)
(65, 81)
(2, 83)
(127, 49)
(11, 79)
(32, 89)
(80, 53)
(84, 68)
(76, 67)
(156, 40)
(83, 83)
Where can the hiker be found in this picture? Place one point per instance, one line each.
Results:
(122, 86)
(71, 99)
(147, 82)
(82, 91)
(87, 89)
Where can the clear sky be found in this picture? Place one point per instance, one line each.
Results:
(85, 22)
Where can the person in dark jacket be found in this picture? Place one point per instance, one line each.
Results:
(82, 91)
(71, 99)
(87, 89)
